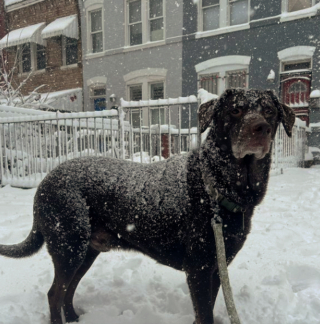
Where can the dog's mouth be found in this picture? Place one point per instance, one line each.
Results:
(258, 148)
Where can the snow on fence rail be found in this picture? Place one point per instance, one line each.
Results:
(31, 146)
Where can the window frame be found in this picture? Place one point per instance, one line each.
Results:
(33, 58)
(90, 6)
(146, 78)
(145, 21)
(156, 18)
(64, 51)
(221, 66)
(92, 97)
(43, 49)
(224, 15)
(92, 33)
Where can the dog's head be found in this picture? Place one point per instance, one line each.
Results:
(246, 121)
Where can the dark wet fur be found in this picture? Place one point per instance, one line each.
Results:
(94, 204)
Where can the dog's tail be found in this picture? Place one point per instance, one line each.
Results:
(28, 247)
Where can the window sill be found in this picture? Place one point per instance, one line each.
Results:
(305, 13)
(223, 30)
(94, 55)
(33, 72)
(67, 67)
(143, 46)
(40, 71)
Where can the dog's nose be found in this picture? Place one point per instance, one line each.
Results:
(261, 128)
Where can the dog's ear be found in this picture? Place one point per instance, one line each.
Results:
(286, 114)
(205, 114)
(209, 110)
(288, 118)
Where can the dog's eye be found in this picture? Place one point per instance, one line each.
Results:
(269, 112)
(236, 112)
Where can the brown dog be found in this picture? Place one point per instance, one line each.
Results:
(91, 205)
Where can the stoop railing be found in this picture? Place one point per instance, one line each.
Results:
(31, 146)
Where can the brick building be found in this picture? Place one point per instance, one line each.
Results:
(44, 39)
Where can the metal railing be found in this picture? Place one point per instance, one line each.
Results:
(31, 146)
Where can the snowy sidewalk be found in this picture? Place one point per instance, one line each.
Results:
(275, 278)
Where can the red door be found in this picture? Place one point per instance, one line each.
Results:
(296, 94)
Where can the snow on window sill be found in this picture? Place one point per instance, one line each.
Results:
(222, 30)
(143, 46)
(305, 13)
(71, 66)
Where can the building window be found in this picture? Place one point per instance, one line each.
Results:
(98, 98)
(296, 66)
(26, 62)
(216, 14)
(157, 92)
(156, 20)
(96, 31)
(145, 21)
(135, 93)
(226, 80)
(70, 51)
(236, 79)
(239, 12)
(211, 14)
(41, 57)
(220, 73)
(295, 5)
(209, 82)
(32, 57)
(135, 23)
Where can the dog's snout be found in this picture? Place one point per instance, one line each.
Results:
(262, 128)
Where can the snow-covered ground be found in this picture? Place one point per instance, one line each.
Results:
(275, 278)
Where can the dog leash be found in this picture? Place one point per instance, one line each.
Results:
(216, 223)
(223, 272)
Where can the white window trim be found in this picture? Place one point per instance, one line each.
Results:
(295, 54)
(90, 6)
(33, 50)
(145, 24)
(97, 81)
(224, 23)
(222, 65)
(304, 13)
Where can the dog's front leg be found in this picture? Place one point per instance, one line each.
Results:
(201, 289)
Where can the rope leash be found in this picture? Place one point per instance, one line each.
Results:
(223, 272)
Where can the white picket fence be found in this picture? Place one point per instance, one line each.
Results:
(31, 146)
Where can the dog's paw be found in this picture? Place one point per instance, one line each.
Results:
(72, 318)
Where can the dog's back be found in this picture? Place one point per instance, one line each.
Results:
(113, 203)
